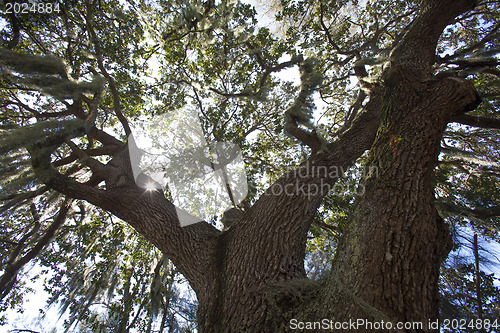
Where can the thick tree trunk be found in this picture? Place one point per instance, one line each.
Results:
(259, 262)
(392, 250)
(387, 265)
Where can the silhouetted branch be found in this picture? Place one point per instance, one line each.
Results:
(8, 279)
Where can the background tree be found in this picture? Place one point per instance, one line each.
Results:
(402, 84)
(467, 291)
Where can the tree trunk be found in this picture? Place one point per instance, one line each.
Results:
(126, 301)
(387, 265)
(396, 240)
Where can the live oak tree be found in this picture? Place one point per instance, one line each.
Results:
(410, 92)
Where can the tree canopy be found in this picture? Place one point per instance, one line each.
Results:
(309, 85)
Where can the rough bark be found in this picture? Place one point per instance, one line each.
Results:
(396, 230)
(390, 254)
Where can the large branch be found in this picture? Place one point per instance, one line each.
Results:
(288, 206)
(469, 157)
(300, 112)
(477, 212)
(418, 46)
(16, 29)
(149, 212)
(482, 122)
(105, 150)
(490, 36)
(271, 69)
(366, 87)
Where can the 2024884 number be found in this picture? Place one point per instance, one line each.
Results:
(32, 8)
(462, 324)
